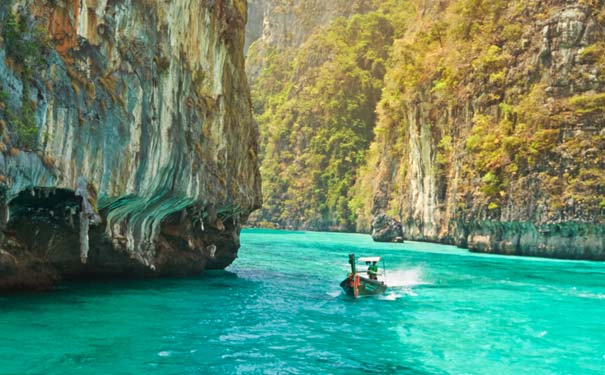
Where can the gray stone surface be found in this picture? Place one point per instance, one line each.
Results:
(149, 102)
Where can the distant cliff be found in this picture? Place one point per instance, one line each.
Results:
(128, 145)
(289, 23)
(488, 130)
(316, 76)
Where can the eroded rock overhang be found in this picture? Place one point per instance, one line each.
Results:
(148, 104)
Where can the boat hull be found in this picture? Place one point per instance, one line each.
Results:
(365, 286)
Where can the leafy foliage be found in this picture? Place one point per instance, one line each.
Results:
(315, 108)
(465, 99)
(25, 44)
(494, 123)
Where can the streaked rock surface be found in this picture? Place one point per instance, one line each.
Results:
(148, 102)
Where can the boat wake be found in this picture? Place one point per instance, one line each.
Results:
(591, 295)
(405, 278)
(402, 282)
(334, 294)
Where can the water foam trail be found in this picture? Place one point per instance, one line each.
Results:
(405, 278)
(334, 294)
(390, 296)
(574, 292)
(591, 295)
(402, 282)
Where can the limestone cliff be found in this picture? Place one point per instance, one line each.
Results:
(492, 129)
(489, 131)
(316, 77)
(286, 24)
(128, 143)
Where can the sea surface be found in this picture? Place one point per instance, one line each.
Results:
(279, 310)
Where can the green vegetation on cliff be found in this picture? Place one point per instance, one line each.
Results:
(507, 134)
(26, 43)
(316, 111)
(491, 110)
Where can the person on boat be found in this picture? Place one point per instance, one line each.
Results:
(373, 271)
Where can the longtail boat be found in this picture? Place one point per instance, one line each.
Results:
(367, 282)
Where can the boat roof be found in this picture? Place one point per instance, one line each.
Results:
(369, 259)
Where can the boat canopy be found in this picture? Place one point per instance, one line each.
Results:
(369, 259)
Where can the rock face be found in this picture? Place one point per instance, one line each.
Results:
(489, 132)
(316, 77)
(500, 151)
(386, 229)
(147, 103)
(255, 25)
(285, 25)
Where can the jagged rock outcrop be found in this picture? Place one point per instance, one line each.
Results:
(280, 25)
(386, 229)
(286, 24)
(498, 149)
(148, 103)
(255, 25)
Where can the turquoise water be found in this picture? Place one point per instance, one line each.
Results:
(279, 310)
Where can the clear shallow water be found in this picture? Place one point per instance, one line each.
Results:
(279, 310)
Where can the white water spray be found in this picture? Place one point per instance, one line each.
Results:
(402, 282)
(404, 278)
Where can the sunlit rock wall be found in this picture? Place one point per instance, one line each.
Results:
(148, 102)
(426, 173)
